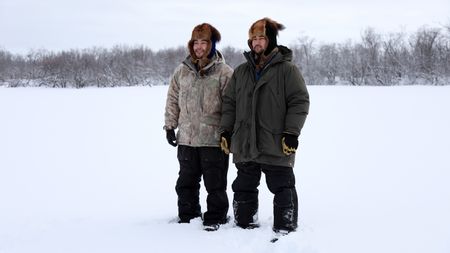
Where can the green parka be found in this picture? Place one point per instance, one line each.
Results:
(258, 112)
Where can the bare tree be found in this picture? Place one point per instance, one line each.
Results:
(328, 62)
(305, 58)
(394, 57)
(233, 57)
(424, 51)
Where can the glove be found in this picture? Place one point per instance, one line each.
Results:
(289, 143)
(225, 141)
(171, 138)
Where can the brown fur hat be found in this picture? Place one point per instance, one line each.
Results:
(268, 28)
(206, 32)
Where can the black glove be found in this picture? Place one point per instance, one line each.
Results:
(289, 143)
(225, 142)
(171, 138)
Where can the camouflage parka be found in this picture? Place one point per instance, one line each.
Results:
(194, 101)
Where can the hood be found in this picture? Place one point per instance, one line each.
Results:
(284, 54)
(216, 59)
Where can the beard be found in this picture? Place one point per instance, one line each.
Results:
(258, 49)
(199, 53)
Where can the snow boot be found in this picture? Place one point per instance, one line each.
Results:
(215, 226)
(278, 233)
(211, 227)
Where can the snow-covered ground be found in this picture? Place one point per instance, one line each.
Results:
(90, 171)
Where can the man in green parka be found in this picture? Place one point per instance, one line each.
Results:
(263, 111)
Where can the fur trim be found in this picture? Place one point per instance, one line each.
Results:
(206, 32)
(259, 27)
(265, 27)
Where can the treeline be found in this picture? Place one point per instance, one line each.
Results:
(392, 59)
(99, 67)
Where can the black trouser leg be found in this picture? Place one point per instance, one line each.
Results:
(188, 184)
(245, 188)
(214, 165)
(281, 182)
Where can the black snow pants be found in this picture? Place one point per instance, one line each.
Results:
(280, 181)
(212, 164)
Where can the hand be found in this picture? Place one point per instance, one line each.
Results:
(171, 138)
(225, 141)
(289, 143)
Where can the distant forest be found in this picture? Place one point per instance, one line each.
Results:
(377, 59)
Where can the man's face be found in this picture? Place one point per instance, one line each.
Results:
(259, 44)
(200, 47)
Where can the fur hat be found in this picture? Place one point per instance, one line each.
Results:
(268, 28)
(206, 32)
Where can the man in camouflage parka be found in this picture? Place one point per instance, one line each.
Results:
(194, 104)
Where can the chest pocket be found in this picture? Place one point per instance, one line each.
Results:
(210, 96)
(187, 84)
(244, 95)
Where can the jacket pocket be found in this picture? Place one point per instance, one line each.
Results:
(271, 109)
(269, 141)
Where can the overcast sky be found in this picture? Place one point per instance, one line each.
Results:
(67, 24)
